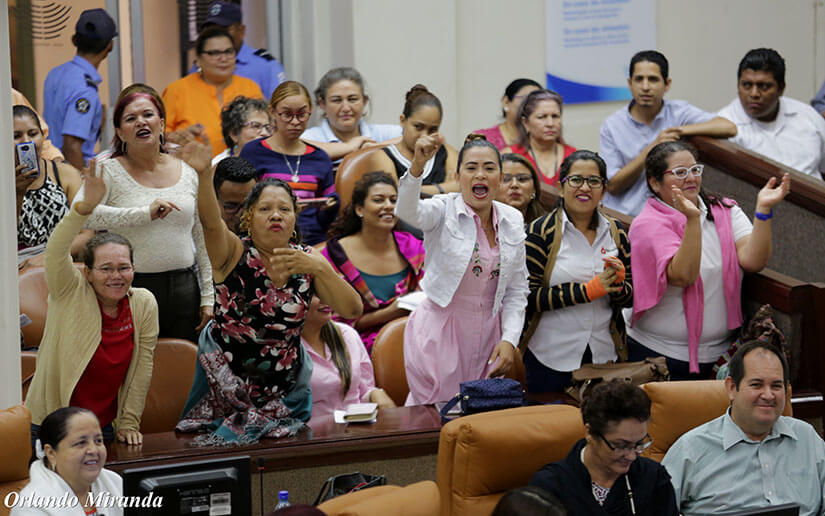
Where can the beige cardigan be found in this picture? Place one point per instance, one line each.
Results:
(72, 334)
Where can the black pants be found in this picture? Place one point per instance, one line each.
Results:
(678, 369)
(179, 299)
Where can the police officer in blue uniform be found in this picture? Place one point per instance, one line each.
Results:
(71, 103)
(257, 65)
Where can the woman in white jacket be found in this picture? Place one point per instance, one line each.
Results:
(476, 282)
(68, 477)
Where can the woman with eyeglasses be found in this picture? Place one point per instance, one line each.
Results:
(540, 134)
(100, 335)
(306, 168)
(604, 473)
(506, 133)
(242, 121)
(199, 97)
(689, 249)
(578, 260)
(520, 187)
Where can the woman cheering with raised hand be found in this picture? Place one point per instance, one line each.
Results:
(476, 281)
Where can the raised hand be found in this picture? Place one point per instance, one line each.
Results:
(93, 188)
(159, 209)
(683, 205)
(772, 194)
(198, 154)
(425, 148)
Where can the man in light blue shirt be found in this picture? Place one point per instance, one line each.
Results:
(71, 104)
(258, 65)
(628, 134)
(751, 457)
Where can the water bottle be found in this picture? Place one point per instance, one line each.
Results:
(283, 500)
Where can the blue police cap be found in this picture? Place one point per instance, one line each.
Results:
(223, 14)
(96, 24)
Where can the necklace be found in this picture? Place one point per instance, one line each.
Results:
(555, 162)
(295, 170)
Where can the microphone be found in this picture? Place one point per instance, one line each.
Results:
(260, 462)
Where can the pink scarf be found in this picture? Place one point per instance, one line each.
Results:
(655, 236)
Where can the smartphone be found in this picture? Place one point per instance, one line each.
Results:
(318, 202)
(27, 155)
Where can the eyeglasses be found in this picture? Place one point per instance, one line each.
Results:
(682, 172)
(229, 52)
(520, 178)
(286, 116)
(109, 271)
(257, 126)
(594, 182)
(637, 448)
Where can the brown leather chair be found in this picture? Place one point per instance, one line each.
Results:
(352, 168)
(33, 294)
(419, 499)
(15, 452)
(28, 363)
(482, 456)
(388, 361)
(172, 377)
(677, 407)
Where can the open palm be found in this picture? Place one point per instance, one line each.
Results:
(772, 194)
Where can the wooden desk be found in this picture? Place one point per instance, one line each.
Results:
(402, 445)
(399, 432)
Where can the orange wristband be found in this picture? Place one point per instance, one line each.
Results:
(594, 289)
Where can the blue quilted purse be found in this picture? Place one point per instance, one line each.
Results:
(485, 395)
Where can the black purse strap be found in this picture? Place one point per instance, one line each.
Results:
(446, 408)
(324, 490)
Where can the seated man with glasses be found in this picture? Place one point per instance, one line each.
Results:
(100, 333)
(603, 473)
(578, 260)
(750, 457)
(689, 248)
(233, 180)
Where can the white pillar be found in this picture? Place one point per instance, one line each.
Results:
(10, 391)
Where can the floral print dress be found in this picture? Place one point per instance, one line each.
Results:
(258, 325)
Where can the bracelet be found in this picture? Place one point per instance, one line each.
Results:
(764, 216)
(438, 185)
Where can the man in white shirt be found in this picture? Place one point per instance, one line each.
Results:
(781, 128)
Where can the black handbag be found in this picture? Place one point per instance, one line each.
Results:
(485, 395)
(348, 483)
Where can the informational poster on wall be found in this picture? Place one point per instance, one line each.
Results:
(590, 43)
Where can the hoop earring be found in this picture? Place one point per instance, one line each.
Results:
(162, 140)
(122, 147)
(294, 236)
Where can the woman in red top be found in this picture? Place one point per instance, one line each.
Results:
(540, 139)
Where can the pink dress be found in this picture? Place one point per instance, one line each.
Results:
(446, 346)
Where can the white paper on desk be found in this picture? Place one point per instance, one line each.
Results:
(411, 300)
(338, 416)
